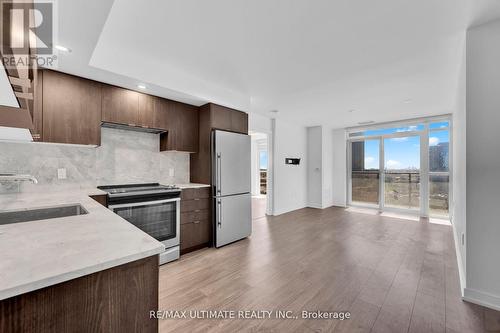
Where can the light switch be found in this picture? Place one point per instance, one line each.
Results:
(171, 172)
(61, 173)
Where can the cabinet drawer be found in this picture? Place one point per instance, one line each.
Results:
(194, 234)
(195, 216)
(195, 193)
(195, 204)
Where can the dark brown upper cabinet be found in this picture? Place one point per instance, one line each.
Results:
(213, 116)
(146, 111)
(221, 117)
(227, 119)
(239, 122)
(120, 106)
(163, 110)
(71, 109)
(182, 126)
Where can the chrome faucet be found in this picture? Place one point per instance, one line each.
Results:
(11, 177)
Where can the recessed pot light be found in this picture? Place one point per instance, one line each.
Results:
(274, 111)
(141, 86)
(62, 48)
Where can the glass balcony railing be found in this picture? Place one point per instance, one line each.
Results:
(365, 187)
(401, 190)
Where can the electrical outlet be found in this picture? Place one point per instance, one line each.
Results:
(61, 173)
(171, 172)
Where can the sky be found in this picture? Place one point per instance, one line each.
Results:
(400, 153)
(263, 160)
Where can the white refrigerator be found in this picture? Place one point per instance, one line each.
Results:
(231, 183)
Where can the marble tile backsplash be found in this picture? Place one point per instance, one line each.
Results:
(123, 157)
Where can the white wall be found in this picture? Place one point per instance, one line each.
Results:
(320, 172)
(458, 197)
(327, 167)
(259, 123)
(255, 167)
(314, 167)
(290, 181)
(339, 174)
(483, 165)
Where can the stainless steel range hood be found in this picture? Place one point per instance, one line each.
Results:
(133, 128)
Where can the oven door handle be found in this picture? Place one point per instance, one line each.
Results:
(144, 203)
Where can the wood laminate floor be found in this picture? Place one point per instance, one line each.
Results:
(393, 275)
(259, 207)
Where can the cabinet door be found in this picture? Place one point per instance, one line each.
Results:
(221, 117)
(120, 106)
(71, 109)
(187, 128)
(194, 235)
(239, 122)
(165, 118)
(146, 111)
(162, 110)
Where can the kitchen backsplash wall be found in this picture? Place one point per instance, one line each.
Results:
(123, 157)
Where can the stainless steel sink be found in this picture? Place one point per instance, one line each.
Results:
(25, 215)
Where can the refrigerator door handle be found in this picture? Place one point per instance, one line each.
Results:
(219, 213)
(219, 172)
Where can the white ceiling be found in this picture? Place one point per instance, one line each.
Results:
(311, 60)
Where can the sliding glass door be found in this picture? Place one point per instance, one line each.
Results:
(365, 172)
(439, 169)
(401, 168)
(402, 172)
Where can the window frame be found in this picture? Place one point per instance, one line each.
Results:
(425, 173)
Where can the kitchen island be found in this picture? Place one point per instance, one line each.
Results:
(91, 272)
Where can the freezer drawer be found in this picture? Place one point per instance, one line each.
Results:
(233, 218)
(231, 163)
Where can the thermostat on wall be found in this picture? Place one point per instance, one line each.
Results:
(293, 161)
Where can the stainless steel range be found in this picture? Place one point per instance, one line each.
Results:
(153, 208)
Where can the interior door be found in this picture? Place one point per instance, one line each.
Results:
(233, 218)
(232, 163)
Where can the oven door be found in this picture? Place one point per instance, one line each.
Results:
(159, 219)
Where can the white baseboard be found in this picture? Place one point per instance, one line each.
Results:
(278, 212)
(461, 268)
(339, 205)
(314, 206)
(482, 298)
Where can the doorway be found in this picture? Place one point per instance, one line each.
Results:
(260, 174)
(403, 167)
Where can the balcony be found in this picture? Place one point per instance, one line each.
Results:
(401, 190)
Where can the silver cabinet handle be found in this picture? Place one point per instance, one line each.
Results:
(219, 214)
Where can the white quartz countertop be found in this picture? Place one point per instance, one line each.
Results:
(192, 185)
(42, 253)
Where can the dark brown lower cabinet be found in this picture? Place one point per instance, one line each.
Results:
(101, 198)
(195, 235)
(118, 299)
(196, 219)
